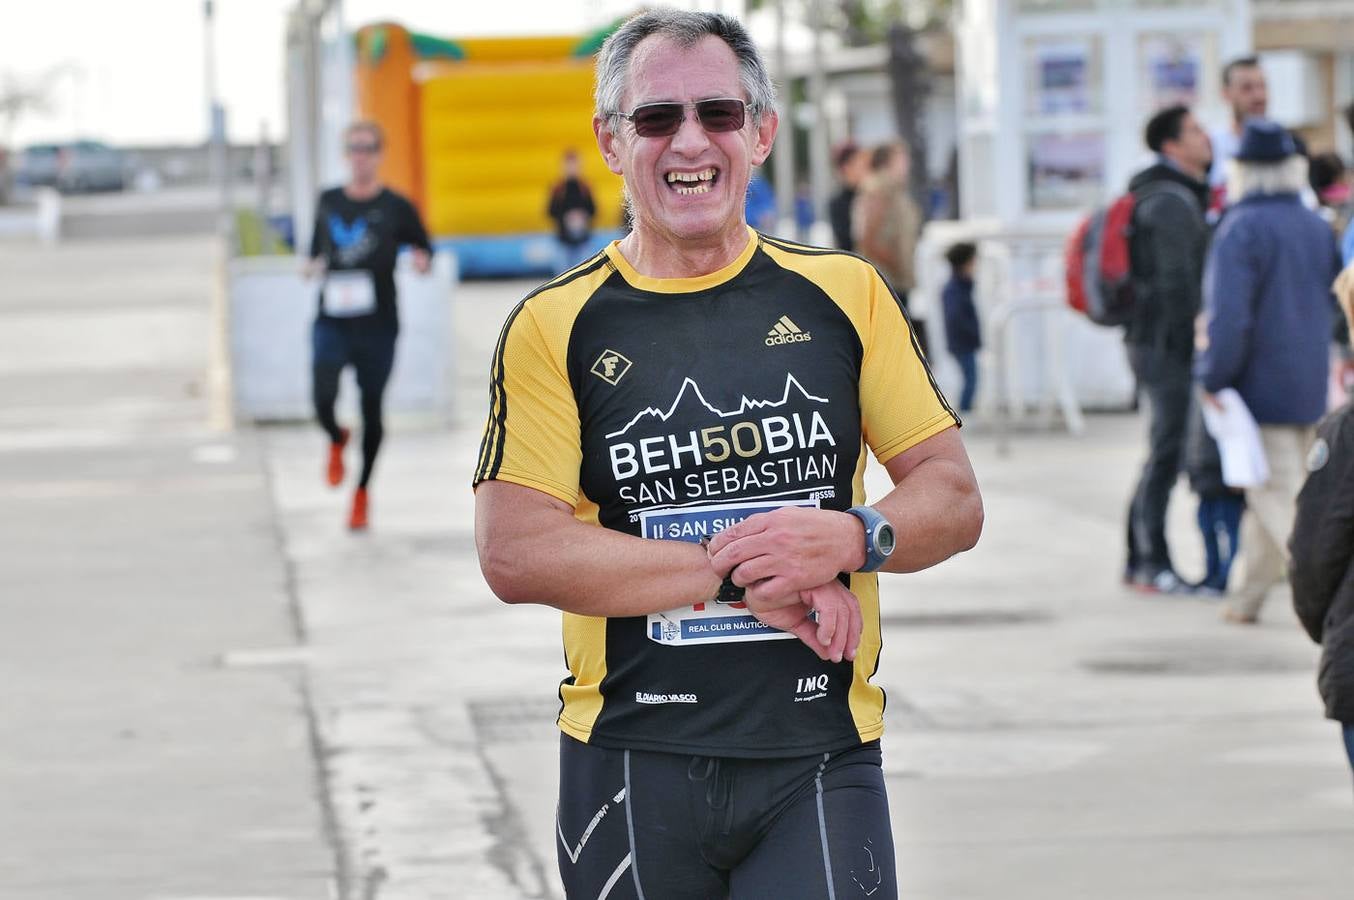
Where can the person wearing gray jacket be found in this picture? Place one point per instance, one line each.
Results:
(1167, 258)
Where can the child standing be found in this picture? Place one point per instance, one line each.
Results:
(962, 333)
(1220, 506)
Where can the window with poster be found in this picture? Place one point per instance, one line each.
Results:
(1175, 67)
(1064, 121)
(1066, 170)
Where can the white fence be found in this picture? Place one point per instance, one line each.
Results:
(1038, 354)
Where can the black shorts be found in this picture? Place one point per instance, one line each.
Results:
(637, 825)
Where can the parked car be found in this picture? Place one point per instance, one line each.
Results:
(74, 167)
(37, 166)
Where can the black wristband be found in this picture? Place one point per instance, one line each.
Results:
(728, 591)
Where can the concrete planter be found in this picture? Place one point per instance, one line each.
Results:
(270, 311)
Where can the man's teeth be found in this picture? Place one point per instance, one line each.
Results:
(692, 182)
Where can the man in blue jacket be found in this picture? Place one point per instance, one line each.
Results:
(1268, 314)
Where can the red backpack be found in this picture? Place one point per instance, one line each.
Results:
(1099, 280)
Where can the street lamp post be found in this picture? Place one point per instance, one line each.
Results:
(218, 150)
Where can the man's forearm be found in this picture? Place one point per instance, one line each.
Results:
(561, 562)
(936, 512)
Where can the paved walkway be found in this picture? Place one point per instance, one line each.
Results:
(138, 551)
(1051, 735)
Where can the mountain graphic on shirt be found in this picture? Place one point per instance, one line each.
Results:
(690, 397)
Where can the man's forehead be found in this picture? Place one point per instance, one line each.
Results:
(661, 69)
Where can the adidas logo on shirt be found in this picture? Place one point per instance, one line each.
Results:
(786, 332)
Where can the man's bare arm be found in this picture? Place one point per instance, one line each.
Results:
(533, 550)
(935, 509)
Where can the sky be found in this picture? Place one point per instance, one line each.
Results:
(134, 72)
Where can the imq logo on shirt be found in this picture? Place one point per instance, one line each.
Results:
(813, 687)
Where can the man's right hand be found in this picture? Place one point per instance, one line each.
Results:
(836, 634)
(313, 268)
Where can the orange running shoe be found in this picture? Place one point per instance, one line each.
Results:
(357, 521)
(335, 473)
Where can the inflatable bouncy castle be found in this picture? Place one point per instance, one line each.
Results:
(475, 130)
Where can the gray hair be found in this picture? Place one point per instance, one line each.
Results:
(685, 29)
(1287, 176)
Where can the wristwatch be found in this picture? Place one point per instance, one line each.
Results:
(879, 538)
(728, 591)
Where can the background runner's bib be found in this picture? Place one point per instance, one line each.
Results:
(712, 622)
(348, 294)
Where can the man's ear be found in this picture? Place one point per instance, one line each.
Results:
(764, 136)
(606, 142)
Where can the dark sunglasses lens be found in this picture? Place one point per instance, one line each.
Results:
(657, 119)
(720, 115)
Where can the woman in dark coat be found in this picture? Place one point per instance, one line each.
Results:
(1321, 568)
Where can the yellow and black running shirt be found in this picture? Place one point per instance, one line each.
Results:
(672, 408)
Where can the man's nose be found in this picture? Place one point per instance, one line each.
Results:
(690, 138)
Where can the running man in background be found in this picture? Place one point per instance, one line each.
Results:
(359, 229)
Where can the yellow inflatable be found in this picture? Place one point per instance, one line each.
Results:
(475, 133)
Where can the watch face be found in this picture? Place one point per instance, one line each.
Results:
(884, 539)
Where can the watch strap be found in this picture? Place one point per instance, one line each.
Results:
(873, 520)
(728, 591)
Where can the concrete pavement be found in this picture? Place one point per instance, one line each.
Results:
(137, 551)
(1051, 735)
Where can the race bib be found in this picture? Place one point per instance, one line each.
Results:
(710, 622)
(348, 294)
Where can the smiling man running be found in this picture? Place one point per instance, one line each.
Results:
(674, 457)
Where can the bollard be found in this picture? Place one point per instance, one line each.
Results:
(48, 215)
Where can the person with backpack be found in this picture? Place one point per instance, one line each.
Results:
(1166, 260)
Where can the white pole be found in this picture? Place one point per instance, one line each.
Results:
(819, 169)
(218, 153)
(785, 138)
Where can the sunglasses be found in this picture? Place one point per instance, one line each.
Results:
(363, 148)
(663, 119)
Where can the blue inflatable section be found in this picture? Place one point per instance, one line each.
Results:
(506, 256)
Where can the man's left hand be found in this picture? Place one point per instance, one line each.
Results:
(836, 634)
(788, 550)
(422, 261)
